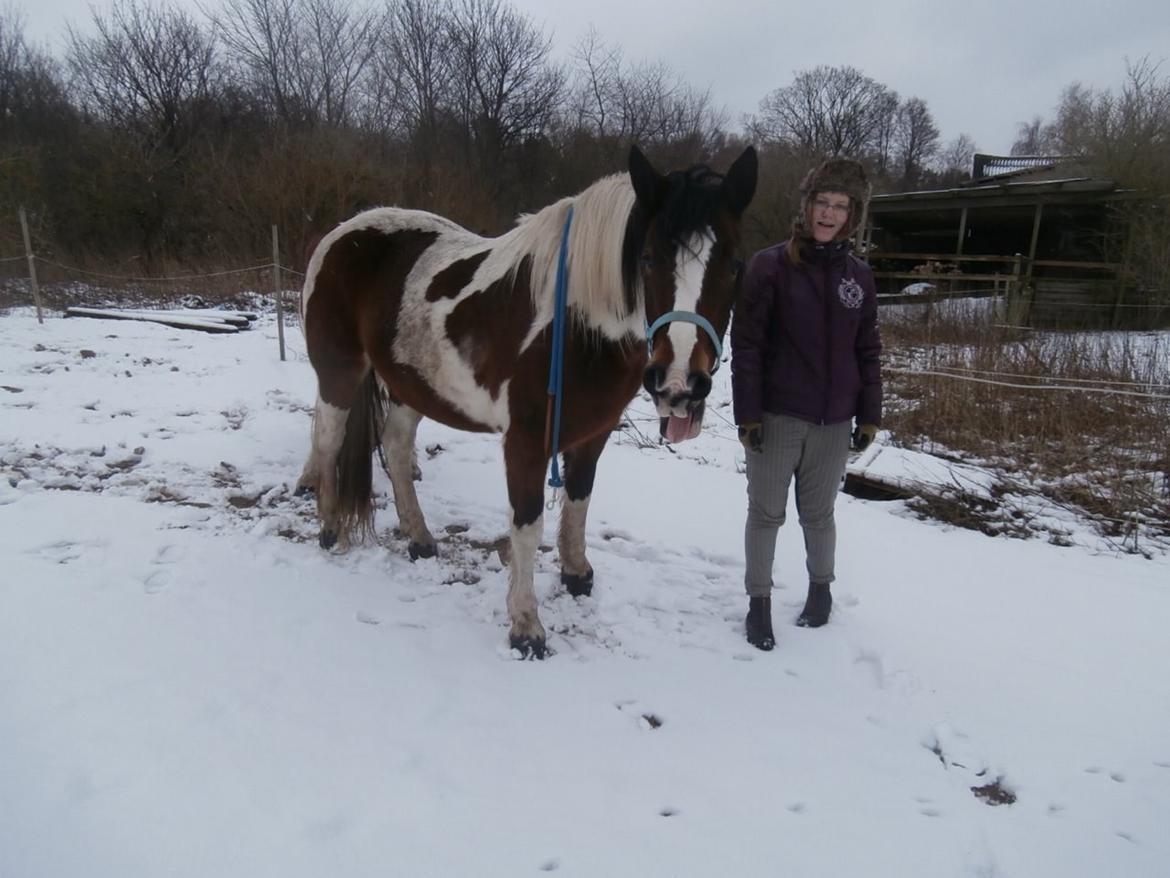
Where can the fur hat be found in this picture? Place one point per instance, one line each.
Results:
(843, 175)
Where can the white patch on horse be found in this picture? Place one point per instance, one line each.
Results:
(422, 342)
(386, 219)
(571, 537)
(521, 594)
(690, 265)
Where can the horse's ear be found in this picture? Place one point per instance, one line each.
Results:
(647, 181)
(739, 184)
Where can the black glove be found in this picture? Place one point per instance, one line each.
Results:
(863, 436)
(752, 436)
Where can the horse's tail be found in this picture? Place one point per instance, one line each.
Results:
(355, 471)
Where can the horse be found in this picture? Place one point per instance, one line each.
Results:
(408, 315)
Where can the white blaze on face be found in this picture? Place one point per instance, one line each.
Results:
(690, 266)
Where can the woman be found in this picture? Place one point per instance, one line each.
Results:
(804, 366)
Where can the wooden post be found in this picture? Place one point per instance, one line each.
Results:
(32, 266)
(962, 231)
(862, 231)
(1015, 295)
(278, 291)
(1035, 236)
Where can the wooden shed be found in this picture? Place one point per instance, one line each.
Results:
(1039, 230)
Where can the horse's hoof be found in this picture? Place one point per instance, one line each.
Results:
(528, 647)
(327, 538)
(421, 550)
(304, 491)
(578, 585)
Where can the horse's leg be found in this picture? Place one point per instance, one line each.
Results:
(311, 472)
(524, 461)
(398, 443)
(580, 468)
(321, 467)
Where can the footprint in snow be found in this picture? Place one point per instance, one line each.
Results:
(157, 581)
(170, 555)
(61, 552)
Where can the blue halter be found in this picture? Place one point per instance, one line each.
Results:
(686, 317)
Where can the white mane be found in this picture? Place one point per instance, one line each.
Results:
(596, 237)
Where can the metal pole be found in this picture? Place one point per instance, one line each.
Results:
(32, 266)
(276, 285)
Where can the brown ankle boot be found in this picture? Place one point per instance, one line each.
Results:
(759, 623)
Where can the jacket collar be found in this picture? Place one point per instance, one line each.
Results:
(833, 253)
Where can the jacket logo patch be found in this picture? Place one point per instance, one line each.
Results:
(850, 293)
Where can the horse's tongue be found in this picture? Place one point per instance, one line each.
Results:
(679, 429)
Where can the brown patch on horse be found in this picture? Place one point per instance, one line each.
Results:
(453, 279)
(488, 327)
(362, 273)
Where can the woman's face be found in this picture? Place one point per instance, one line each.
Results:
(829, 215)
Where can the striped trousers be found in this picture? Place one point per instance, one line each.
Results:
(815, 455)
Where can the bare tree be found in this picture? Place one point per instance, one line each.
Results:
(956, 160)
(916, 141)
(148, 69)
(505, 85)
(32, 96)
(305, 57)
(646, 103)
(417, 61)
(828, 111)
(593, 98)
(1032, 138)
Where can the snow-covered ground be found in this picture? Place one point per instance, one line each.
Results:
(189, 686)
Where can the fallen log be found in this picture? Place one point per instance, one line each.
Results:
(203, 321)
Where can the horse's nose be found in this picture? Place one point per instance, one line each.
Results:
(653, 378)
(700, 384)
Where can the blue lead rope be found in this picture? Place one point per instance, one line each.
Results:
(556, 370)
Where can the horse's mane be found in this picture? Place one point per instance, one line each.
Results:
(690, 203)
(606, 239)
(600, 215)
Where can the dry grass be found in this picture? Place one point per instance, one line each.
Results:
(960, 384)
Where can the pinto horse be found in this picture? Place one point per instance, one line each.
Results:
(408, 315)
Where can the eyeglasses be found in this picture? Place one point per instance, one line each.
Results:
(835, 207)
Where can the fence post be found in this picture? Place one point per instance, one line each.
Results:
(279, 294)
(32, 266)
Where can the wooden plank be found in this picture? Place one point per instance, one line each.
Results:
(938, 257)
(1069, 263)
(926, 278)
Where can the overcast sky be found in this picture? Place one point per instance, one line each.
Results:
(981, 68)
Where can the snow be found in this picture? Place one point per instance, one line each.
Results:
(189, 686)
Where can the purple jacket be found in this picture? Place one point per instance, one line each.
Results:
(805, 340)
